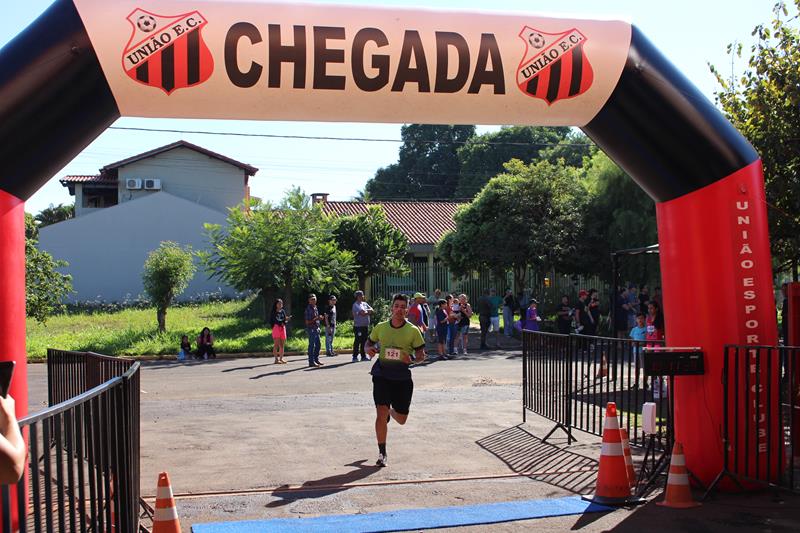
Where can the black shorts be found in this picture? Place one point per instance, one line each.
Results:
(394, 393)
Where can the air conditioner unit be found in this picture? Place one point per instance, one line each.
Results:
(133, 183)
(152, 184)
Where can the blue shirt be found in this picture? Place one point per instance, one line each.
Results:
(312, 314)
(638, 333)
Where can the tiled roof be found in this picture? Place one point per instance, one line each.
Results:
(421, 222)
(250, 170)
(84, 179)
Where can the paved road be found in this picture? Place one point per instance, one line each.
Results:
(246, 424)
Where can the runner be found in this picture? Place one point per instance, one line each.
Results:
(399, 344)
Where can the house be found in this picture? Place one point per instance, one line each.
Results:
(131, 206)
(424, 224)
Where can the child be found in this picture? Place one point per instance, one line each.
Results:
(186, 348)
(440, 320)
(638, 333)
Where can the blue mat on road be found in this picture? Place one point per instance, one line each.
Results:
(413, 519)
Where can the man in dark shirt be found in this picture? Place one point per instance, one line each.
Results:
(312, 320)
(564, 314)
(509, 307)
(484, 310)
(581, 313)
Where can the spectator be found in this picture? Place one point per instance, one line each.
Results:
(452, 323)
(312, 320)
(633, 304)
(593, 312)
(509, 307)
(532, 318)
(564, 316)
(484, 305)
(440, 316)
(657, 297)
(330, 325)
(582, 316)
(417, 315)
(644, 298)
(432, 331)
(785, 315)
(186, 348)
(361, 314)
(495, 302)
(205, 345)
(638, 333)
(13, 450)
(278, 319)
(463, 324)
(654, 322)
(621, 310)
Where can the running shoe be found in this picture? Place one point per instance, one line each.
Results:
(364, 358)
(355, 359)
(382, 460)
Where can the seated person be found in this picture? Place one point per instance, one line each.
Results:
(186, 348)
(205, 345)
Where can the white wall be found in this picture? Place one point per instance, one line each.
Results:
(187, 174)
(106, 249)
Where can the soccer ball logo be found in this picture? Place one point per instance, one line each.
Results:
(536, 40)
(146, 23)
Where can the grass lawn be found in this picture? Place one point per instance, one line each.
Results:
(237, 326)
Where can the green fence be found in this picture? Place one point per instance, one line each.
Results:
(425, 278)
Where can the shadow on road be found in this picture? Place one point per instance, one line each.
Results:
(318, 488)
(527, 454)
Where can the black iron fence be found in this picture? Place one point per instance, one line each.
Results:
(83, 471)
(569, 379)
(761, 416)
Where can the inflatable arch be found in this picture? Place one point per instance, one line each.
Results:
(84, 63)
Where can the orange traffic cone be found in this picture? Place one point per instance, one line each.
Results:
(613, 487)
(679, 494)
(626, 451)
(165, 518)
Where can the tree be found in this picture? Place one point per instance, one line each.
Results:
(427, 168)
(54, 214)
(268, 248)
(377, 245)
(618, 215)
(529, 217)
(45, 287)
(764, 104)
(482, 157)
(167, 272)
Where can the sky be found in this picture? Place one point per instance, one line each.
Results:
(691, 34)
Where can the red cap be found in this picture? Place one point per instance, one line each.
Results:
(582, 293)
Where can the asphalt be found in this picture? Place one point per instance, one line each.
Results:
(243, 438)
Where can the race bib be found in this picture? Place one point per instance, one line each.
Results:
(394, 354)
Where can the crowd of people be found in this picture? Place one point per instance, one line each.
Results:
(445, 321)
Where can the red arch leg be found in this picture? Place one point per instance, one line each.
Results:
(716, 273)
(12, 298)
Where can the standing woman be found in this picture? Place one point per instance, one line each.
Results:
(278, 319)
(205, 345)
(463, 324)
(453, 318)
(654, 326)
